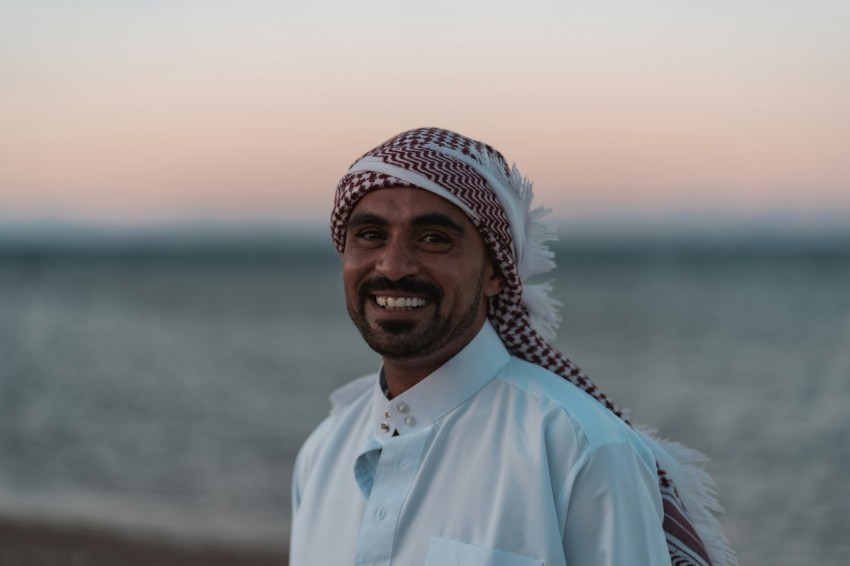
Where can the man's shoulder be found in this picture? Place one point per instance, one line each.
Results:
(553, 393)
(351, 391)
(540, 382)
(347, 405)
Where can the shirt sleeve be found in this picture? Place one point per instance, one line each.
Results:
(615, 514)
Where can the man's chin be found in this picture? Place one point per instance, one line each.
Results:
(397, 340)
(395, 326)
(390, 348)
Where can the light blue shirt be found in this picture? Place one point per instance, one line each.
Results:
(496, 461)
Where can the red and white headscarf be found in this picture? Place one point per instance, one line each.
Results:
(497, 199)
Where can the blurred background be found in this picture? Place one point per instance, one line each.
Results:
(171, 315)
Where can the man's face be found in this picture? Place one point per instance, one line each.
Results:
(417, 275)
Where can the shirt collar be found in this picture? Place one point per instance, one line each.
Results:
(443, 390)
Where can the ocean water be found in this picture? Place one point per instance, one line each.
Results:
(167, 390)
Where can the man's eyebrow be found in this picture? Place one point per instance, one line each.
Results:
(431, 219)
(364, 218)
(437, 219)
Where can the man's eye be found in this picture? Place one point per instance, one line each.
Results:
(435, 239)
(369, 235)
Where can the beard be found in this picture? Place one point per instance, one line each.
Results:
(399, 339)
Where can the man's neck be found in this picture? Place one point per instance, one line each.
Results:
(401, 376)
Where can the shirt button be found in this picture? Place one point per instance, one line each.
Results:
(385, 427)
(402, 408)
(380, 513)
(409, 420)
(387, 415)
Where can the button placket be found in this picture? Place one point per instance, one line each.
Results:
(385, 424)
(394, 475)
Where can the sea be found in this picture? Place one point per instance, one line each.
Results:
(162, 383)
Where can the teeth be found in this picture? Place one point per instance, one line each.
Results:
(400, 302)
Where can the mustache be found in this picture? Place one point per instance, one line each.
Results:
(406, 284)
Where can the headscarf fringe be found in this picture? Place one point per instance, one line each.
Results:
(696, 488)
(542, 309)
(535, 258)
(539, 259)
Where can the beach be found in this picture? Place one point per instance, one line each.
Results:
(31, 543)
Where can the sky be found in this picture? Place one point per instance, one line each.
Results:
(128, 112)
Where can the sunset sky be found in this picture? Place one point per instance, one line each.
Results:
(149, 111)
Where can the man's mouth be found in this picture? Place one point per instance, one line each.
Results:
(400, 303)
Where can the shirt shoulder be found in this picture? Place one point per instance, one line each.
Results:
(347, 403)
(554, 394)
(577, 429)
(348, 393)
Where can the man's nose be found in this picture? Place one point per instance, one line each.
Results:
(397, 259)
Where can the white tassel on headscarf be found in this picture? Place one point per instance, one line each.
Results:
(529, 232)
(696, 488)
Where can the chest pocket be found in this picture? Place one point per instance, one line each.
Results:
(447, 552)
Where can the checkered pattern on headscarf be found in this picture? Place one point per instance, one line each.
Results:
(415, 151)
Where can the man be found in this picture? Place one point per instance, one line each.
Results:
(477, 442)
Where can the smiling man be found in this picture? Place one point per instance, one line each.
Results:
(417, 279)
(477, 442)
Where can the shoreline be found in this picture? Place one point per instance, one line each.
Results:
(35, 543)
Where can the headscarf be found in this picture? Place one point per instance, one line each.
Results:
(497, 199)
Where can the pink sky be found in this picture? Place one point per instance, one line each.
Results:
(136, 112)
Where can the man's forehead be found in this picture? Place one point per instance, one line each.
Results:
(408, 204)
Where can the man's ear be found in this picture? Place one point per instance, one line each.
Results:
(494, 281)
